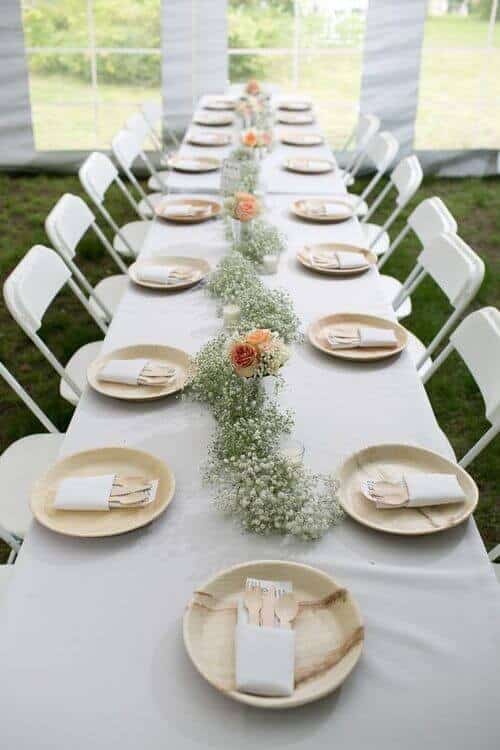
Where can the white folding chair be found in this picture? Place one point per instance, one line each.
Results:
(153, 113)
(126, 148)
(66, 225)
(21, 464)
(366, 127)
(406, 179)
(380, 153)
(97, 174)
(477, 341)
(493, 555)
(459, 272)
(139, 126)
(28, 292)
(429, 219)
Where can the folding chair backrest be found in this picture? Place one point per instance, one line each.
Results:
(407, 177)
(139, 125)
(126, 148)
(97, 174)
(26, 398)
(430, 218)
(67, 223)
(368, 125)
(153, 112)
(381, 150)
(477, 340)
(32, 286)
(454, 266)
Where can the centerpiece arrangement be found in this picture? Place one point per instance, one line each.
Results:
(242, 208)
(256, 141)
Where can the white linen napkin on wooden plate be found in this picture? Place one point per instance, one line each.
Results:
(126, 371)
(84, 493)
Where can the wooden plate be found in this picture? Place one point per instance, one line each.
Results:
(345, 211)
(164, 354)
(215, 209)
(371, 258)
(198, 265)
(289, 118)
(221, 139)
(209, 637)
(206, 164)
(393, 461)
(295, 106)
(301, 139)
(303, 166)
(201, 119)
(103, 460)
(220, 105)
(318, 330)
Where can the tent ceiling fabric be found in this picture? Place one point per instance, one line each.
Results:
(195, 61)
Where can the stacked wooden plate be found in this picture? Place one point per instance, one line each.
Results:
(200, 209)
(319, 330)
(324, 210)
(306, 257)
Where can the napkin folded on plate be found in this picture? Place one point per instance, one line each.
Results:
(155, 274)
(136, 372)
(265, 657)
(204, 137)
(338, 260)
(325, 209)
(187, 164)
(415, 491)
(95, 493)
(363, 337)
(186, 209)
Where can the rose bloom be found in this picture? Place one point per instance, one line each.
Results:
(249, 138)
(246, 209)
(253, 86)
(265, 138)
(259, 338)
(244, 359)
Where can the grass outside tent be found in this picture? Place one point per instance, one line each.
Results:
(26, 200)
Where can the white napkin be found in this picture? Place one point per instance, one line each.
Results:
(125, 371)
(264, 656)
(376, 337)
(326, 209)
(187, 164)
(84, 493)
(432, 489)
(212, 117)
(186, 209)
(204, 137)
(157, 275)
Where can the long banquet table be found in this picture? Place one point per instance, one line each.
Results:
(91, 648)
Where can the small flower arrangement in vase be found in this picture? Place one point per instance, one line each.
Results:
(253, 87)
(257, 141)
(242, 209)
(258, 354)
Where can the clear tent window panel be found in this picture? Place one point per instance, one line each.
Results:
(459, 90)
(313, 47)
(90, 62)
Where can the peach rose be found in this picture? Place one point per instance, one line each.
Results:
(244, 359)
(246, 209)
(241, 196)
(249, 138)
(259, 338)
(253, 86)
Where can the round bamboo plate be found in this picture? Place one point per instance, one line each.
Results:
(166, 355)
(211, 121)
(345, 212)
(206, 164)
(303, 257)
(221, 139)
(318, 336)
(105, 460)
(295, 106)
(219, 105)
(390, 462)
(288, 118)
(301, 139)
(209, 639)
(303, 166)
(199, 266)
(214, 206)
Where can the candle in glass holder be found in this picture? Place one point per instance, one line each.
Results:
(230, 315)
(270, 263)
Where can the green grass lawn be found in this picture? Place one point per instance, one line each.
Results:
(456, 401)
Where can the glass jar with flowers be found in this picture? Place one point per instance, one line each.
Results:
(242, 209)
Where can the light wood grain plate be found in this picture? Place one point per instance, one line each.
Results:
(303, 166)
(206, 120)
(300, 139)
(220, 105)
(222, 139)
(206, 164)
(391, 461)
(318, 336)
(215, 209)
(210, 642)
(302, 256)
(345, 212)
(289, 118)
(166, 355)
(105, 460)
(199, 267)
(295, 106)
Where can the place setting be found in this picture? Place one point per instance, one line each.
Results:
(143, 372)
(324, 210)
(187, 210)
(169, 272)
(357, 337)
(102, 492)
(304, 165)
(273, 634)
(406, 490)
(336, 259)
(214, 119)
(291, 138)
(208, 138)
(194, 164)
(219, 103)
(295, 118)
(295, 105)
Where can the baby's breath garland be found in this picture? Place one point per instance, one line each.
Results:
(264, 239)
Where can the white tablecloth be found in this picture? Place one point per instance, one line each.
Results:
(91, 649)
(274, 175)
